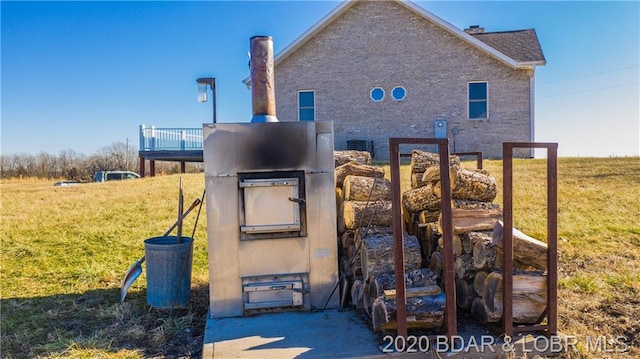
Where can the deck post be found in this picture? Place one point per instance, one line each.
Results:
(141, 168)
(152, 168)
(183, 168)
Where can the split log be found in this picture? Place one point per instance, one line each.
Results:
(480, 311)
(342, 157)
(360, 188)
(421, 160)
(457, 245)
(357, 169)
(423, 312)
(529, 296)
(355, 214)
(464, 294)
(414, 292)
(419, 199)
(468, 220)
(346, 270)
(526, 250)
(463, 266)
(436, 264)
(478, 282)
(377, 254)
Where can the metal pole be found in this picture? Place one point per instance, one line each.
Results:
(213, 99)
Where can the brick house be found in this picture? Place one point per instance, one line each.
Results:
(382, 69)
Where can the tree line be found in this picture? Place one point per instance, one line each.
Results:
(71, 165)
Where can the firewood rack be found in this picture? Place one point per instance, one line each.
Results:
(551, 312)
(447, 235)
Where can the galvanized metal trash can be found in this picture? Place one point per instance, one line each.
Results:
(168, 271)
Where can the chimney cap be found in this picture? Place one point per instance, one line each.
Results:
(474, 29)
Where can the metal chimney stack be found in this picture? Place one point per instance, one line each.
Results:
(263, 93)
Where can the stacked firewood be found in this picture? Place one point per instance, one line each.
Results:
(363, 199)
(477, 240)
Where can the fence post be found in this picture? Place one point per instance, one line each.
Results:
(141, 137)
(153, 138)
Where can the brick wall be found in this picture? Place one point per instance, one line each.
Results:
(381, 43)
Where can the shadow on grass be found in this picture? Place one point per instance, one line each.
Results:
(94, 323)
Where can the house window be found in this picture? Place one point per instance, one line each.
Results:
(377, 94)
(478, 94)
(306, 106)
(398, 93)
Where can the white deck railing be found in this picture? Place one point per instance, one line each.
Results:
(170, 139)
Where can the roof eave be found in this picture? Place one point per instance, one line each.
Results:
(461, 34)
(531, 64)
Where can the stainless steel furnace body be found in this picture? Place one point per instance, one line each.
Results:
(271, 216)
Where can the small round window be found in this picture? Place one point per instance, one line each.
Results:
(398, 93)
(377, 94)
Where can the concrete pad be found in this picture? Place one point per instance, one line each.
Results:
(342, 334)
(326, 334)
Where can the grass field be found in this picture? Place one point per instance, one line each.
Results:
(65, 249)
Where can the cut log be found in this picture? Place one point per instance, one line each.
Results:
(416, 180)
(457, 246)
(425, 216)
(468, 204)
(360, 188)
(355, 214)
(526, 250)
(480, 311)
(424, 312)
(420, 278)
(464, 294)
(347, 239)
(346, 270)
(414, 292)
(356, 169)
(478, 282)
(436, 264)
(432, 175)
(471, 185)
(484, 255)
(420, 199)
(469, 240)
(357, 294)
(342, 157)
(468, 220)
(463, 266)
(421, 160)
(529, 296)
(339, 198)
(377, 254)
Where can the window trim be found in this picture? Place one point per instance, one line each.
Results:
(469, 101)
(399, 87)
(377, 88)
(307, 107)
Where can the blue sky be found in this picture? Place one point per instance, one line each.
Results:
(82, 75)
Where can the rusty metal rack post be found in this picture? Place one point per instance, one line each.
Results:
(551, 312)
(447, 235)
(478, 155)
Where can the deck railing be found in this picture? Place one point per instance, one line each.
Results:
(170, 139)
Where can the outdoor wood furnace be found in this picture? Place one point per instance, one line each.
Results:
(271, 216)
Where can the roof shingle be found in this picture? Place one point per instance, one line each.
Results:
(520, 45)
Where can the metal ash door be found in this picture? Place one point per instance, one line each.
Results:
(270, 216)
